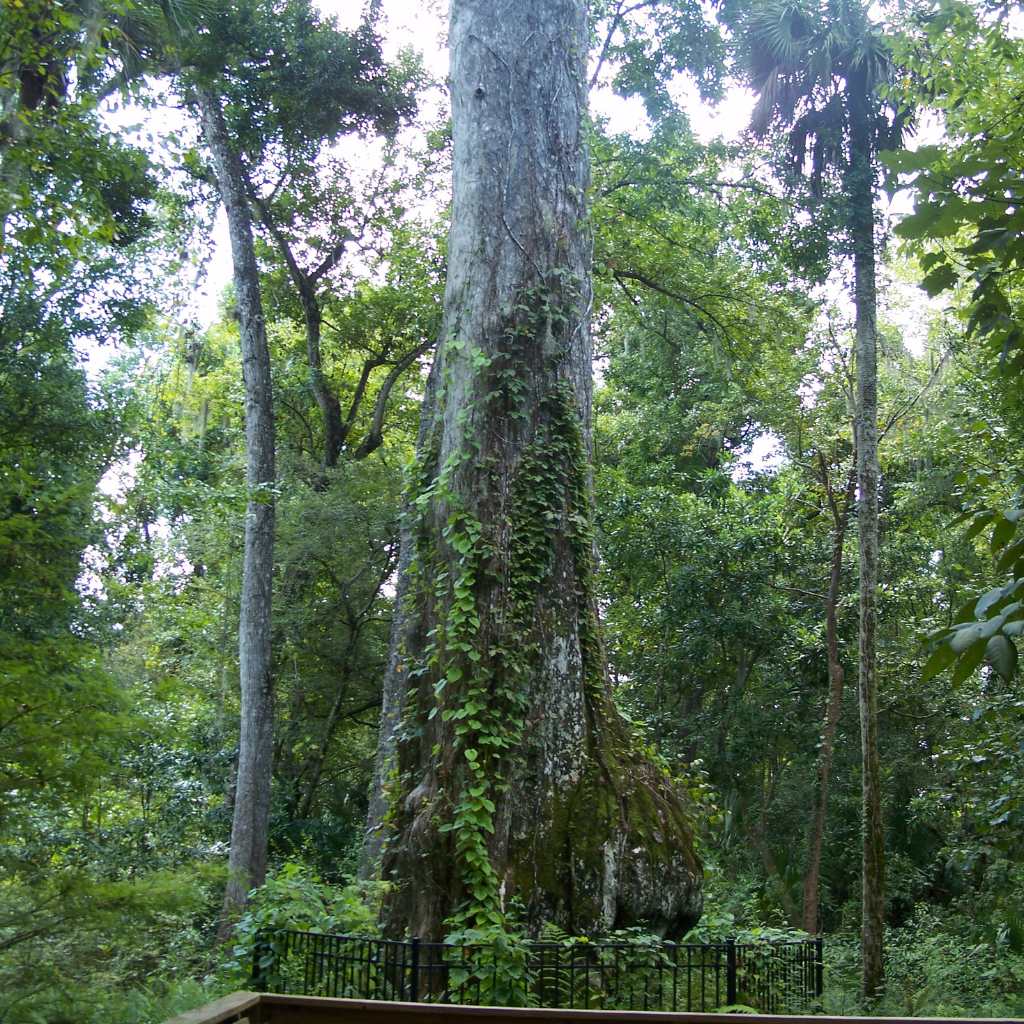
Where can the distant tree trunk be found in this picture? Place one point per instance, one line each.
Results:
(865, 297)
(330, 407)
(732, 698)
(384, 784)
(834, 705)
(247, 861)
(515, 778)
(312, 315)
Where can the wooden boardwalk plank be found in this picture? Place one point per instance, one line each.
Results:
(271, 1008)
(288, 1009)
(230, 1008)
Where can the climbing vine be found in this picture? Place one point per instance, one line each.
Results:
(478, 587)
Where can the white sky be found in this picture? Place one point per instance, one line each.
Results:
(422, 26)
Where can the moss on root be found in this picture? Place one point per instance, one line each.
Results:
(616, 849)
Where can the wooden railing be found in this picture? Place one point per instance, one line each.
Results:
(266, 1008)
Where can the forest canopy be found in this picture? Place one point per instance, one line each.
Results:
(515, 504)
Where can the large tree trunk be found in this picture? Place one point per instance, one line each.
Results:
(247, 861)
(515, 778)
(834, 704)
(865, 298)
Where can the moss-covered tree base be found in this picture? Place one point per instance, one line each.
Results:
(599, 843)
(611, 847)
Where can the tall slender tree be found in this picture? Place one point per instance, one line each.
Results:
(264, 78)
(817, 67)
(247, 861)
(840, 503)
(515, 777)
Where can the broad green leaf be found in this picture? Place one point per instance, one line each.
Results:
(965, 637)
(940, 279)
(1002, 534)
(989, 600)
(941, 658)
(968, 662)
(1001, 654)
(979, 523)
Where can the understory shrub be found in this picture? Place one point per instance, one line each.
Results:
(294, 898)
(130, 951)
(931, 970)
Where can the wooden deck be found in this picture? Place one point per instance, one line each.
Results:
(265, 1008)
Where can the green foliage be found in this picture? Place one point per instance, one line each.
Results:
(60, 435)
(312, 81)
(118, 711)
(964, 232)
(933, 969)
(295, 899)
(965, 224)
(89, 947)
(646, 48)
(492, 961)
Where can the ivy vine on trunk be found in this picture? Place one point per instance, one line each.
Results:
(513, 777)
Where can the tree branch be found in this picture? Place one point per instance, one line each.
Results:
(375, 435)
(632, 275)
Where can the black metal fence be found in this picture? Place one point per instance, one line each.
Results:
(772, 977)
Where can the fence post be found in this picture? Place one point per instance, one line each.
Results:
(414, 976)
(257, 978)
(819, 967)
(730, 972)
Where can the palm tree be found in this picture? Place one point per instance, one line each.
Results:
(818, 67)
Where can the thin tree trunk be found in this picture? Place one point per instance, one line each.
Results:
(732, 698)
(315, 763)
(305, 287)
(865, 298)
(336, 428)
(14, 134)
(514, 777)
(834, 704)
(771, 867)
(330, 407)
(319, 759)
(247, 861)
(393, 692)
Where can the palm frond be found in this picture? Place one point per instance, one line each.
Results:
(764, 110)
(779, 29)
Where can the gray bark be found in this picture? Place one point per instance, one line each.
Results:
(866, 434)
(247, 861)
(330, 407)
(392, 696)
(586, 831)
